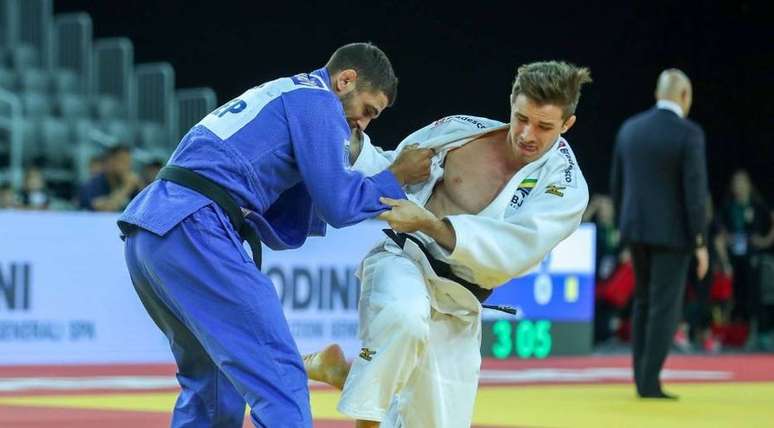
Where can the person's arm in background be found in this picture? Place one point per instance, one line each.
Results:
(766, 240)
(721, 241)
(118, 198)
(721, 248)
(616, 179)
(591, 209)
(694, 185)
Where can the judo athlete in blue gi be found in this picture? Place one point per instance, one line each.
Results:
(271, 164)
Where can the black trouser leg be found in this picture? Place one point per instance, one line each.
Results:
(668, 270)
(641, 264)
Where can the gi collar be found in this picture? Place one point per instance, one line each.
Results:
(322, 76)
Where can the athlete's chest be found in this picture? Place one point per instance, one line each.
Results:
(474, 175)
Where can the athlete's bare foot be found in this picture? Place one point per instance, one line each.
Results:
(327, 366)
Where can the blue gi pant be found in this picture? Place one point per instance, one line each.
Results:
(224, 323)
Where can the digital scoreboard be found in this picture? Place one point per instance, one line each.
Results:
(556, 303)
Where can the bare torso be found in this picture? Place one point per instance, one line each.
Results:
(474, 175)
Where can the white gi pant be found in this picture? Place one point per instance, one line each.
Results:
(421, 336)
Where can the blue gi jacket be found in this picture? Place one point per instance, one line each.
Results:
(279, 149)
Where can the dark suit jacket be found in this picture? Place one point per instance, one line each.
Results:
(659, 180)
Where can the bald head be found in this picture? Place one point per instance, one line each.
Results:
(673, 85)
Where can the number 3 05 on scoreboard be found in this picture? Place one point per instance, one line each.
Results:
(556, 302)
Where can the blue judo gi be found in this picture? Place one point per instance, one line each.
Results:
(279, 151)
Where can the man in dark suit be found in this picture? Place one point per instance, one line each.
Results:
(659, 186)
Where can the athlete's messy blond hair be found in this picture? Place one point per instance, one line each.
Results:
(551, 82)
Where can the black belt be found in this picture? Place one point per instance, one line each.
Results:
(216, 193)
(444, 270)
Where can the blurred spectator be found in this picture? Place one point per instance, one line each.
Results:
(35, 194)
(615, 279)
(96, 165)
(600, 211)
(149, 172)
(613, 302)
(765, 268)
(8, 197)
(746, 221)
(115, 186)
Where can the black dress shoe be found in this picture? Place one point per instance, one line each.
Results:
(660, 395)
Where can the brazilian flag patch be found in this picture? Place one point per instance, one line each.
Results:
(528, 183)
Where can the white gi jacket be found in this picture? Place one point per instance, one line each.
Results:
(540, 206)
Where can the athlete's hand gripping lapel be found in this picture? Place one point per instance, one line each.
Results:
(412, 165)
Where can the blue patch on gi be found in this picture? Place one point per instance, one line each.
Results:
(304, 79)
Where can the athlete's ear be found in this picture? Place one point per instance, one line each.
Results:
(568, 123)
(344, 81)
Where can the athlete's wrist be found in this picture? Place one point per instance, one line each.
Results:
(442, 231)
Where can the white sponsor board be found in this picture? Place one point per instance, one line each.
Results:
(317, 285)
(66, 296)
(65, 293)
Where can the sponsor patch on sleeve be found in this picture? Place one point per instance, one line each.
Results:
(304, 79)
(467, 120)
(569, 173)
(440, 122)
(524, 189)
(366, 354)
(556, 190)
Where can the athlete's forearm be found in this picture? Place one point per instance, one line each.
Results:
(442, 232)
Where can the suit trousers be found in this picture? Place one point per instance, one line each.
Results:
(660, 275)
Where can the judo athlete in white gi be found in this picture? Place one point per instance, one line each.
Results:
(269, 165)
(499, 198)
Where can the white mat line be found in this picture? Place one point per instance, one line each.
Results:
(546, 375)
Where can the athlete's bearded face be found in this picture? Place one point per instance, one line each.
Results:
(534, 127)
(362, 106)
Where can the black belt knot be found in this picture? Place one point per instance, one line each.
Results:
(444, 270)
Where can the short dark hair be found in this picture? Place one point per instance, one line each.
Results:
(551, 82)
(372, 65)
(155, 163)
(116, 149)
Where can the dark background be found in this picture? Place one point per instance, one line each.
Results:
(460, 57)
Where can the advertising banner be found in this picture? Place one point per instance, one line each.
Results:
(66, 296)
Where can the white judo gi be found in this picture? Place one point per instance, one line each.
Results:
(420, 333)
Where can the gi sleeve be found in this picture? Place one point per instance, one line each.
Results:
(496, 251)
(372, 160)
(318, 133)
